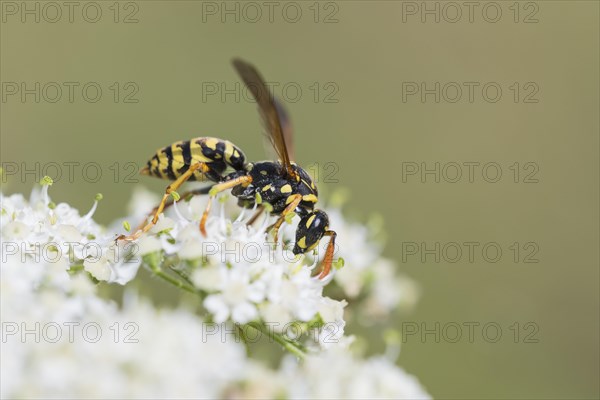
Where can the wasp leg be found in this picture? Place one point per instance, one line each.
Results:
(257, 214)
(171, 188)
(170, 202)
(328, 259)
(214, 190)
(296, 199)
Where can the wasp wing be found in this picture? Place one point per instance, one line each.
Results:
(268, 110)
(288, 133)
(286, 127)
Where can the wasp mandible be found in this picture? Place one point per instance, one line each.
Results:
(282, 184)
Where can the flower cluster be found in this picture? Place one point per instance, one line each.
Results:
(240, 275)
(41, 230)
(61, 338)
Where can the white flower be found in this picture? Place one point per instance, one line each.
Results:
(99, 269)
(209, 278)
(116, 263)
(237, 297)
(336, 374)
(35, 229)
(332, 315)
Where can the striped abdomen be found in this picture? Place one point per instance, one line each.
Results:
(172, 161)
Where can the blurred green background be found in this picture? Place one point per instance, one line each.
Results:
(355, 63)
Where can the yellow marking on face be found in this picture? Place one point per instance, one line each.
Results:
(286, 189)
(264, 189)
(312, 246)
(312, 185)
(310, 220)
(290, 199)
(263, 172)
(211, 143)
(302, 242)
(310, 197)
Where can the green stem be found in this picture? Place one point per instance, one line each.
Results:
(174, 282)
(293, 347)
(75, 268)
(181, 274)
(287, 344)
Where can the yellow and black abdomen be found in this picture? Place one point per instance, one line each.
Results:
(172, 161)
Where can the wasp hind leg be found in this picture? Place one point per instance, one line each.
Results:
(186, 196)
(203, 167)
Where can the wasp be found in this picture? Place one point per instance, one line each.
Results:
(283, 184)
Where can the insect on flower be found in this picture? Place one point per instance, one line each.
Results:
(283, 184)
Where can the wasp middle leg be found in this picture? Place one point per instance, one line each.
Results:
(216, 189)
(292, 202)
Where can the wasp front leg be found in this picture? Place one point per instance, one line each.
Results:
(203, 167)
(328, 259)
